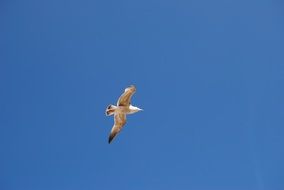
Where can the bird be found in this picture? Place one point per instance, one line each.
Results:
(120, 111)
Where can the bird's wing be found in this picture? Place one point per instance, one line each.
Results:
(119, 122)
(124, 99)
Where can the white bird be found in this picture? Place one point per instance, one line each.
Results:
(120, 111)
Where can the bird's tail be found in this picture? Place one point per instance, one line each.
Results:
(110, 110)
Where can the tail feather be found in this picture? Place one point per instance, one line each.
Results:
(110, 110)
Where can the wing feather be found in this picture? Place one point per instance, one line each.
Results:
(125, 98)
(119, 122)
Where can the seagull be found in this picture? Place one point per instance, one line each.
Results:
(120, 111)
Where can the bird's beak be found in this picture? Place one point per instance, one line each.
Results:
(141, 109)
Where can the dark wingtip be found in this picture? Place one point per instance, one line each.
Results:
(111, 136)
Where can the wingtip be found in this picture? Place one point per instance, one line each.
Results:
(132, 87)
(110, 138)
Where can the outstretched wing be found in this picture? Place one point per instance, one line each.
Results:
(125, 98)
(119, 122)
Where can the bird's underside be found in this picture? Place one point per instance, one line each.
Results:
(120, 111)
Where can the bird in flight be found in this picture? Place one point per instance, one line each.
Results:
(120, 111)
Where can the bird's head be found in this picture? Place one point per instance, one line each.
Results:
(135, 109)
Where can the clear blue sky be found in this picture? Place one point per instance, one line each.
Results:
(209, 76)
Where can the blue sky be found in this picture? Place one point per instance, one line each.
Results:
(209, 76)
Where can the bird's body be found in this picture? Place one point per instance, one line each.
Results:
(120, 111)
(126, 109)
